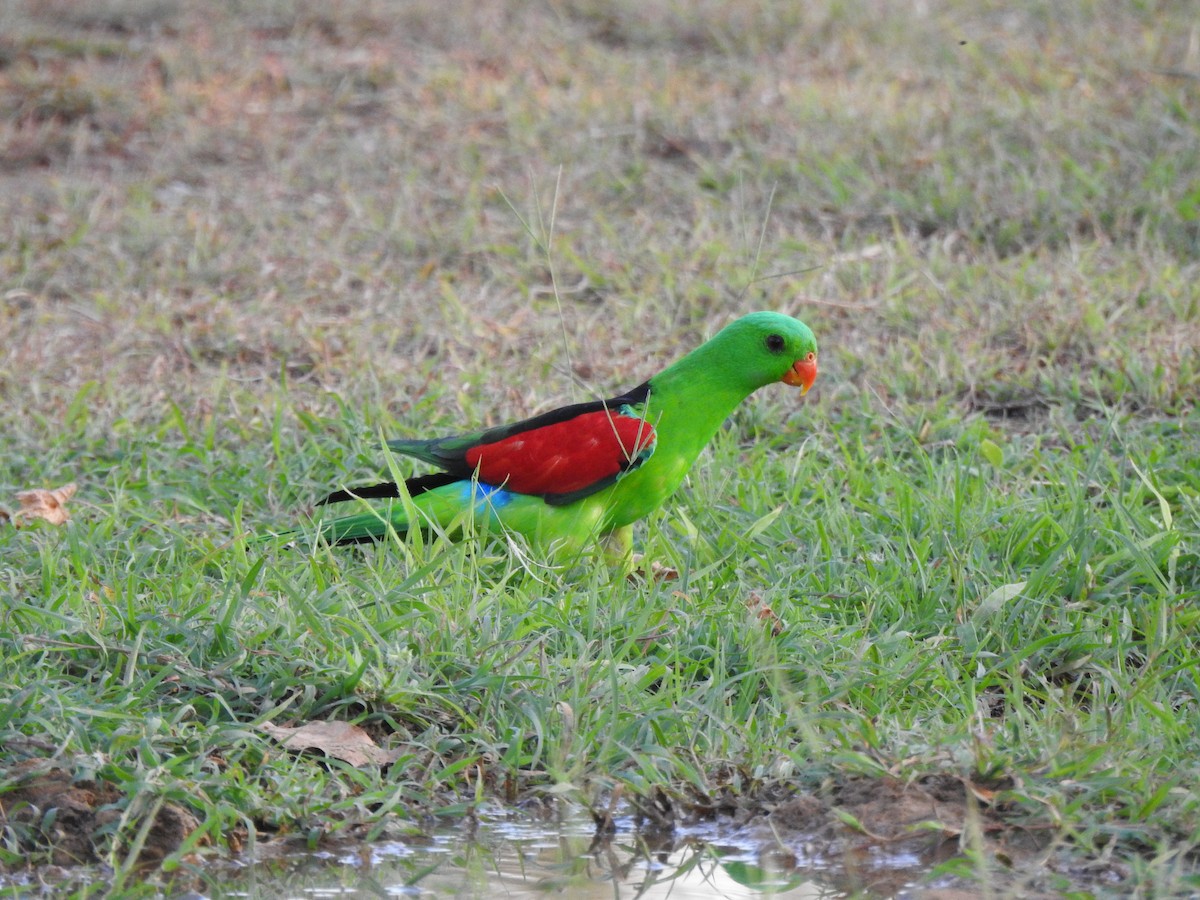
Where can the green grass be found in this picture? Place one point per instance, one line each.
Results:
(149, 647)
(235, 247)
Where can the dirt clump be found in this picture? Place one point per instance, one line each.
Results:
(63, 818)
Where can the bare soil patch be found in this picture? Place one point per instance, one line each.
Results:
(63, 819)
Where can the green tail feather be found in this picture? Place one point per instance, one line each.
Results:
(361, 527)
(354, 529)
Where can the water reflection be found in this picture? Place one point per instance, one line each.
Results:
(525, 858)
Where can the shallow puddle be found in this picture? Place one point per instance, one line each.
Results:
(518, 858)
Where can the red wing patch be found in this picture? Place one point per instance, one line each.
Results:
(565, 457)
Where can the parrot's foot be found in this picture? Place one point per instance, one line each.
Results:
(654, 571)
(763, 613)
(618, 552)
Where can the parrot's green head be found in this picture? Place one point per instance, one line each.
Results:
(765, 347)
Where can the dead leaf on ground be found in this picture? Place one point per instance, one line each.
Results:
(43, 504)
(340, 740)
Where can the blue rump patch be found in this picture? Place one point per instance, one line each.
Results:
(478, 492)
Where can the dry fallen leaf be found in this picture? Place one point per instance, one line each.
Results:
(42, 504)
(340, 740)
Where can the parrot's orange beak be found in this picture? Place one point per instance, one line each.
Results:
(802, 374)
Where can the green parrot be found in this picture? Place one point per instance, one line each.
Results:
(588, 470)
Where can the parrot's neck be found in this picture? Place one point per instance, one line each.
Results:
(688, 403)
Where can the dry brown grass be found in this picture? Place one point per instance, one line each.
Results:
(195, 191)
(982, 203)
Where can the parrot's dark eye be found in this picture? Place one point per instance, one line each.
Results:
(775, 343)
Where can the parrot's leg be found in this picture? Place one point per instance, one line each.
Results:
(618, 549)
